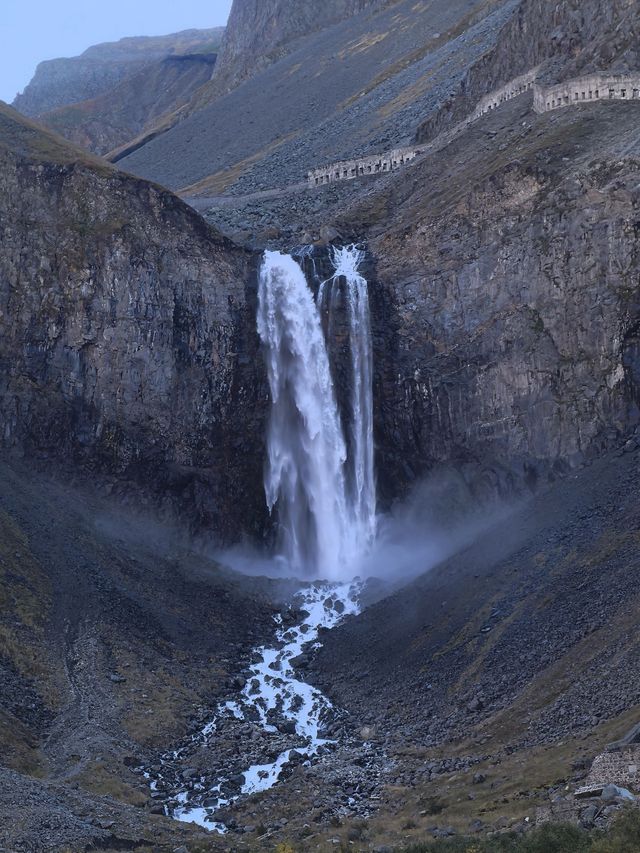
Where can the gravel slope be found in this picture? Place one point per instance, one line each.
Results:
(359, 85)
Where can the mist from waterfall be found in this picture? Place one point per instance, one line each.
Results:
(321, 484)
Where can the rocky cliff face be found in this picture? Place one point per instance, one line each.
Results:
(506, 301)
(60, 82)
(127, 334)
(259, 31)
(511, 357)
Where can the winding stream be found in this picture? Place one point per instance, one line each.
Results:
(272, 693)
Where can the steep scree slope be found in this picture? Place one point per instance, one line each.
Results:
(259, 31)
(117, 91)
(544, 596)
(565, 39)
(60, 82)
(516, 660)
(140, 104)
(359, 85)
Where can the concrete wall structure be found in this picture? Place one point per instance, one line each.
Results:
(594, 87)
(515, 87)
(377, 164)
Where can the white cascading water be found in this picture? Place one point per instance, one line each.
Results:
(325, 501)
(273, 686)
(326, 512)
(347, 262)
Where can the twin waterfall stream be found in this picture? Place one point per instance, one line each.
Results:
(325, 496)
(320, 487)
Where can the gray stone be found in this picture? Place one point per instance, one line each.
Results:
(588, 815)
(610, 793)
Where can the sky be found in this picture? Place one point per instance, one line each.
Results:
(33, 30)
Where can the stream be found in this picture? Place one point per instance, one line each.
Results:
(275, 700)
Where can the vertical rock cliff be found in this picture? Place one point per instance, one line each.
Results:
(127, 334)
(507, 302)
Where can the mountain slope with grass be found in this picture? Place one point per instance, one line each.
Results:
(358, 85)
(115, 91)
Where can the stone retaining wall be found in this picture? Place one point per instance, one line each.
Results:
(594, 87)
(376, 164)
(515, 87)
(617, 768)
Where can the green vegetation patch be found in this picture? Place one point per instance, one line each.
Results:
(624, 837)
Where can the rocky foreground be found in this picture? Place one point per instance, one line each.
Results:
(473, 700)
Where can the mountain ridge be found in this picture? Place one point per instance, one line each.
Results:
(65, 81)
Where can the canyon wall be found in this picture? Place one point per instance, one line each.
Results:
(127, 335)
(505, 301)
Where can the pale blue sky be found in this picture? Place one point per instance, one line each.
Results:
(33, 30)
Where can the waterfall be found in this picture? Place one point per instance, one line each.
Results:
(325, 496)
(346, 262)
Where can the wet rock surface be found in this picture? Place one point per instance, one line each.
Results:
(245, 745)
(479, 344)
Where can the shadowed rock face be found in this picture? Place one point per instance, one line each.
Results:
(128, 340)
(505, 302)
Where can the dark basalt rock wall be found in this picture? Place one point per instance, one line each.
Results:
(127, 338)
(507, 307)
(504, 303)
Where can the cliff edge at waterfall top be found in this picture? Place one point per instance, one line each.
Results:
(320, 427)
